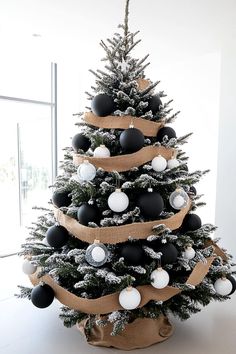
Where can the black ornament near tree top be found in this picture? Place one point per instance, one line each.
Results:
(61, 199)
(88, 213)
(154, 104)
(166, 131)
(151, 204)
(132, 253)
(80, 141)
(57, 236)
(131, 140)
(42, 296)
(191, 222)
(102, 105)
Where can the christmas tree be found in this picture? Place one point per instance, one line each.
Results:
(122, 244)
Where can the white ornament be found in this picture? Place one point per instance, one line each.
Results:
(86, 171)
(179, 199)
(223, 286)
(189, 253)
(129, 298)
(173, 163)
(96, 254)
(159, 163)
(118, 201)
(28, 267)
(101, 151)
(159, 278)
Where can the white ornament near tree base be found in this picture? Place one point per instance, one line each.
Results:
(159, 278)
(179, 199)
(159, 163)
(173, 163)
(118, 201)
(28, 267)
(189, 253)
(96, 254)
(101, 151)
(129, 298)
(223, 286)
(86, 171)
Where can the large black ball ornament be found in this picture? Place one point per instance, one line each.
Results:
(191, 222)
(61, 199)
(88, 213)
(151, 204)
(42, 296)
(102, 105)
(132, 253)
(165, 131)
(169, 253)
(154, 104)
(131, 140)
(233, 281)
(57, 236)
(80, 141)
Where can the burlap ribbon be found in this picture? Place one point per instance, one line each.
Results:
(116, 234)
(147, 127)
(123, 163)
(110, 303)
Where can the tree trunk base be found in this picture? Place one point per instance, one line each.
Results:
(141, 333)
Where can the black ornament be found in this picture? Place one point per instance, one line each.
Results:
(102, 105)
(154, 104)
(165, 131)
(57, 236)
(193, 190)
(88, 213)
(42, 296)
(131, 140)
(169, 253)
(132, 253)
(80, 141)
(151, 204)
(191, 222)
(61, 199)
(233, 281)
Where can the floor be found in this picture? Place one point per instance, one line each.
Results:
(25, 329)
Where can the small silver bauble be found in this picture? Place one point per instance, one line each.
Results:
(96, 254)
(223, 286)
(189, 253)
(159, 163)
(129, 298)
(173, 163)
(101, 151)
(179, 199)
(86, 171)
(28, 267)
(118, 201)
(159, 278)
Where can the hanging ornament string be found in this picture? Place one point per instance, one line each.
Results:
(116, 234)
(123, 163)
(147, 127)
(110, 303)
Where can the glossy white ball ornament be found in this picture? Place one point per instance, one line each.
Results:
(118, 201)
(189, 253)
(96, 254)
(28, 267)
(159, 278)
(101, 151)
(173, 163)
(223, 286)
(179, 199)
(86, 171)
(129, 298)
(159, 163)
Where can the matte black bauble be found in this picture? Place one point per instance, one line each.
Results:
(131, 140)
(88, 213)
(169, 253)
(42, 296)
(165, 131)
(57, 236)
(233, 281)
(61, 199)
(191, 222)
(102, 105)
(193, 190)
(154, 104)
(151, 204)
(80, 141)
(132, 253)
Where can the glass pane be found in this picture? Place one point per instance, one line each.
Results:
(25, 166)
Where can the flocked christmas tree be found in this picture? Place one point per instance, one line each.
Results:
(122, 238)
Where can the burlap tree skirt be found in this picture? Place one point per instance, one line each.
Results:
(141, 333)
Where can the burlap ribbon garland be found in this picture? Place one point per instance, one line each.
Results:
(147, 127)
(110, 303)
(123, 163)
(116, 234)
